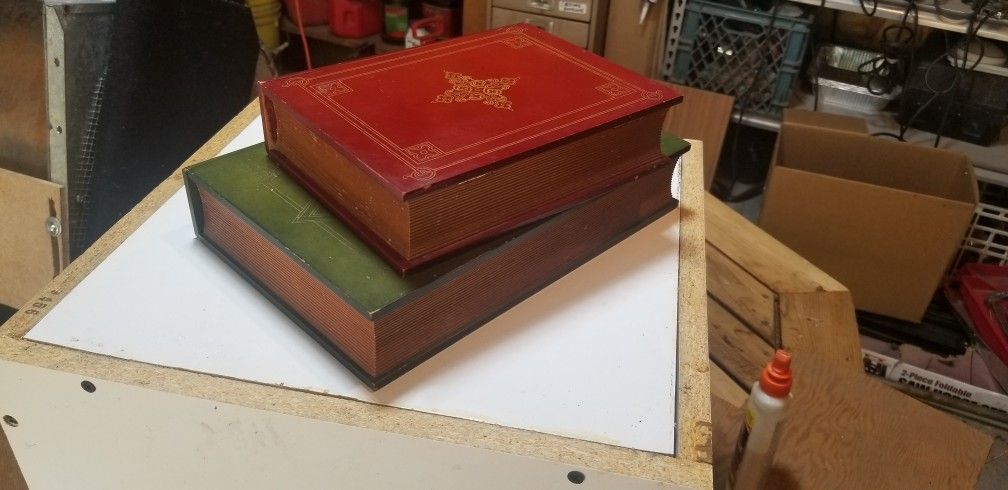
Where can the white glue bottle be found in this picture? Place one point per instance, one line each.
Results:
(764, 410)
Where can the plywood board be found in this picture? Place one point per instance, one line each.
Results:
(592, 356)
(879, 437)
(30, 256)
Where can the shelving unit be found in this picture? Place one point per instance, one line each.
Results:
(991, 162)
(995, 29)
(322, 33)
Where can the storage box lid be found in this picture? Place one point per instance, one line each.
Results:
(840, 147)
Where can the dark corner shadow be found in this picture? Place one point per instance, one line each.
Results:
(643, 248)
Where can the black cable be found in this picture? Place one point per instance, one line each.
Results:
(865, 10)
(966, 43)
(743, 100)
(884, 72)
(971, 34)
(815, 56)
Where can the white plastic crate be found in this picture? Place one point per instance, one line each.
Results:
(986, 240)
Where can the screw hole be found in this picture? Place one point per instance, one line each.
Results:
(88, 386)
(55, 61)
(11, 421)
(59, 129)
(576, 477)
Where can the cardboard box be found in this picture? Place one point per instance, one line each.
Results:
(883, 217)
(636, 46)
(703, 116)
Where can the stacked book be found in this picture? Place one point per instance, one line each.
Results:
(401, 201)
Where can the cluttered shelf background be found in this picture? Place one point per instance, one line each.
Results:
(929, 73)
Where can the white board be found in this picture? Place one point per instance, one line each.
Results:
(128, 437)
(592, 356)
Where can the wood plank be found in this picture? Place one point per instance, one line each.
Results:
(474, 16)
(821, 326)
(876, 439)
(846, 430)
(995, 471)
(734, 347)
(703, 116)
(24, 124)
(769, 261)
(725, 388)
(31, 256)
(636, 46)
(743, 295)
(727, 422)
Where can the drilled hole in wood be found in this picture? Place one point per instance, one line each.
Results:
(59, 129)
(11, 421)
(55, 61)
(576, 477)
(88, 386)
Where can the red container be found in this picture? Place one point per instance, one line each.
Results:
(313, 12)
(448, 12)
(355, 18)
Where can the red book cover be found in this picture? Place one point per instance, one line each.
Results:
(425, 117)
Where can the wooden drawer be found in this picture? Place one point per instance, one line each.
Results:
(569, 30)
(29, 254)
(568, 9)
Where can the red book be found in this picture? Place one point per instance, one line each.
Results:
(428, 150)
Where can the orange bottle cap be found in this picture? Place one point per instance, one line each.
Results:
(776, 378)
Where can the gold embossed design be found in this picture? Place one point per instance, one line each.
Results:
(502, 140)
(466, 88)
(424, 151)
(423, 173)
(518, 42)
(308, 213)
(334, 87)
(615, 89)
(298, 81)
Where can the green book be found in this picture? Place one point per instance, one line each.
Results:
(377, 322)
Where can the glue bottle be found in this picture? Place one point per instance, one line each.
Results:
(764, 410)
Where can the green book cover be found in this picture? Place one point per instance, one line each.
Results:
(248, 181)
(273, 207)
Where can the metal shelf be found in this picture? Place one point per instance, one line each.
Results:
(995, 29)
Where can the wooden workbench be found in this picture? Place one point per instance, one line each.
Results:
(844, 430)
(119, 380)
